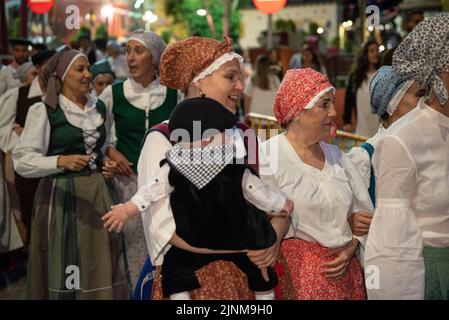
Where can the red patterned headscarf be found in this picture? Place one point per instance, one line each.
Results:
(190, 60)
(300, 89)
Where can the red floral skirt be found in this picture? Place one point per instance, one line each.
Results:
(304, 259)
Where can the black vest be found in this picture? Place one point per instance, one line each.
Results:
(218, 216)
(24, 104)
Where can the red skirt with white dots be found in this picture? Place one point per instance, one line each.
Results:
(304, 261)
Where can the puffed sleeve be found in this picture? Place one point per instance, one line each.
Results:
(362, 201)
(360, 158)
(393, 249)
(29, 155)
(157, 188)
(261, 194)
(158, 222)
(106, 98)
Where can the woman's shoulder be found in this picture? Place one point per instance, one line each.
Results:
(38, 107)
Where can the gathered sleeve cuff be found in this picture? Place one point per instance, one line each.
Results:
(156, 189)
(261, 194)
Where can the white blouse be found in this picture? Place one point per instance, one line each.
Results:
(8, 111)
(411, 164)
(29, 155)
(158, 221)
(361, 159)
(323, 198)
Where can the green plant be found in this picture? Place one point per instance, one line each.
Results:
(312, 28)
(101, 32)
(166, 35)
(14, 31)
(184, 11)
(285, 25)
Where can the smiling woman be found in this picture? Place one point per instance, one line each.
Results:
(63, 142)
(135, 105)
(199, 67)
(320, 249)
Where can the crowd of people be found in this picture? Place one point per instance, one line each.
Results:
(147, 172)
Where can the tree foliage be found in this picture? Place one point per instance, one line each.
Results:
(184, 11)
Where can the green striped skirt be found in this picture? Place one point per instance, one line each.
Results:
(71, 255)
(436, 262)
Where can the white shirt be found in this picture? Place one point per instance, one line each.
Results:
(143, 98)
(29, 155)
(367, 122)
(7, 79)
(8, 110)
(361, 158)
(262, 101)
(158, 221)
(323, 198)
(411, 164)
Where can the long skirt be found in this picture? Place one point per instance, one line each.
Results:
(136, 247)
(304, 260)
(436, 261)
(219, 280)
(72, 256)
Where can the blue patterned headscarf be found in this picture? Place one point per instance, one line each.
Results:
(387, 89)
(424, 55)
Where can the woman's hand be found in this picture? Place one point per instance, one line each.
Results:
(267, 257)
(288, 208)
(18, 129)
(360, 222)
(116, 218)
(110, 169)
(343, 256)
(75, 162)
(124, 166)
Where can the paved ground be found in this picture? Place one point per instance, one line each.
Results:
(14, 291)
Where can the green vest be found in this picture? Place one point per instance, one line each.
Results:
(130, 121)
(66, 139)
